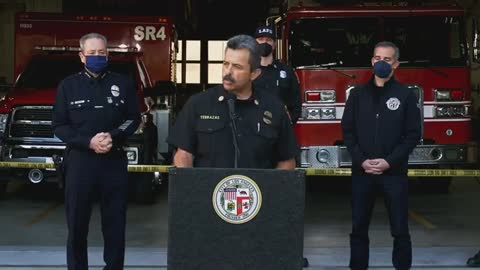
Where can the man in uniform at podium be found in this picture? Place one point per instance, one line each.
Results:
(234, 125)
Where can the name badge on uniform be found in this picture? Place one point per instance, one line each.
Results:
(283, 74)
(115, 90)
(393, 104)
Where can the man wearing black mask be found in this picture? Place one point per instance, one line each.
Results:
(276, 77)
(381, 126)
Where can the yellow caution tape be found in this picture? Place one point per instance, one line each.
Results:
(38, 165)
(27, 165)
(148, 168)
(328, 172)
(411, 172)
(309, 171)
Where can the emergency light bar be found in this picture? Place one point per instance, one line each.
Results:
(49, 48)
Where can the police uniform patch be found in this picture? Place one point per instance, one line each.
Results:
(109, 100)
(283, 74)
(393, 104)
(237, 199)
(115, 90)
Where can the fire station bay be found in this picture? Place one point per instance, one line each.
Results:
(235, 135)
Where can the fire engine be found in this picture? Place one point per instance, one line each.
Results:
(330, 46)
(46, 51)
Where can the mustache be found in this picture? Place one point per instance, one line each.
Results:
(229, 78)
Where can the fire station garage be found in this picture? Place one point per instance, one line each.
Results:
(225, 218)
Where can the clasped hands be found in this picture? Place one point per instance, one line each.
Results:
(375, 166)
(101, 143)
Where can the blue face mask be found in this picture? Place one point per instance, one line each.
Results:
(96, 63)
(382, 69)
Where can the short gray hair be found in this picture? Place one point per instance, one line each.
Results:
(388, 44)
(91, 36)
(246, 42)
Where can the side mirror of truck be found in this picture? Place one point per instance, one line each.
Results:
(475, 41)
(161, 88)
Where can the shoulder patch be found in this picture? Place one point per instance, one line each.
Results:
(393, 103)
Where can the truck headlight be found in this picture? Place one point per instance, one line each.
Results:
(320, 96)
(444, 111)
(3, 122)
(447, 94)
(319, 113)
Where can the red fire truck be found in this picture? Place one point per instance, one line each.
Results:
(331, 47)
(46, 51)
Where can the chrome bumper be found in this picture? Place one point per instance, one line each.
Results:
(338, 156)
(44, 153)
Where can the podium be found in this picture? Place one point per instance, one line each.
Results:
(235, 219)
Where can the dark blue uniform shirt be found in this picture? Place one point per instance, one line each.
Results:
(280, 80)
(86, 105)
(264, 133)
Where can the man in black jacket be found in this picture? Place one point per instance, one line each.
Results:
(381, 126)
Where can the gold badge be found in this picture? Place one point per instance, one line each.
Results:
(267, 121)
(221, 98)
(267, 114)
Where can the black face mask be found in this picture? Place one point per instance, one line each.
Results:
(265, 49)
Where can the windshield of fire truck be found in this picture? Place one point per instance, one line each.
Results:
(348, 42)
(47, 72)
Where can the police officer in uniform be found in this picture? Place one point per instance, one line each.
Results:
(235, 113)
(277, 77)
(94, 113)
(381, 126)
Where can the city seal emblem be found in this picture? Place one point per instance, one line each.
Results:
(237, 199)
(393, 104)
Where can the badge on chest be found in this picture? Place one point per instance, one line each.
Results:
(115, 90)
(267, 117)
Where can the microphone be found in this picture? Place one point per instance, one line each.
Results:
(231, 105)
(233, 125)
